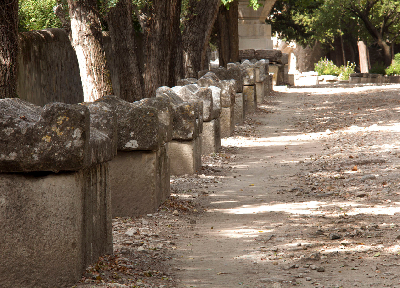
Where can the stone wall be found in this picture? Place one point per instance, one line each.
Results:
(48, 69)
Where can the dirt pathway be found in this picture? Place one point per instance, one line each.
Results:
(306, 195)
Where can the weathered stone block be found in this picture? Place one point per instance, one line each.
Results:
(228, 92)
(211, 137)
(228, 87)
(165, 115)
(268, 86)
(278, 70)
(209, 79)
(250, 102)
(216, 94)
(194, 92)
(285, 58)
(185, 156)
(227, 121)
(247, 54)
(239, 109)
(187, 116)
(248, 73)
(232, 73)
(259, 92)
(263, 70)
(139, 181)
(53, 226)
(103, 132)
(138, 125)
(186, 81)
(269, 54)
(53, 138)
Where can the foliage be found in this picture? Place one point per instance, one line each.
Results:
(345, 71)
(306, 21)
(378, 68)
(293, 19)
(326, 67)
(252, 3)
(394, 68)
(37, 15)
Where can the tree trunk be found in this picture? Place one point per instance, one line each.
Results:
(176, 71)
(8, 48)
(196, 34)
(228, 34)
(162, 44)
(342, 48)
(386, 51)
(362, 50)
(123, 47)
(87, 40)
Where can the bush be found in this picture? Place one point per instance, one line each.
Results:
(394, 68)
(345, 71)
(326, 67)
(378, 68)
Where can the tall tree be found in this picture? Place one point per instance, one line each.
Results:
(87, 40)
(176, 70)
(381, 19)
(8, 48)
(228, 35)
(159, 20)
(123, 46)
(198, 24)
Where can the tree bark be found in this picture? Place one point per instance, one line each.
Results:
(87, 40)
(228, 35)
(8, 48)
(123, 47)
(162, 44)
(176, 70)
(196, 34)
(387, 53)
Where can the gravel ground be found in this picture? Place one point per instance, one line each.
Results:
(305, 194)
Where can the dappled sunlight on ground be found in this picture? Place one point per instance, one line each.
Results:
(341, 89)
(315, 208)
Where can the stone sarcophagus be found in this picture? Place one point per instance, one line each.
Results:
(55, 213)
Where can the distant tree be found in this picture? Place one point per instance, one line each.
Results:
(8, 48)
(373, 21)
(292, 19)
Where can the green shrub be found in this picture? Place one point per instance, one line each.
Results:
(326, 67)
(37, 15)
(345, 71)
(394, 68)
(378, 68)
